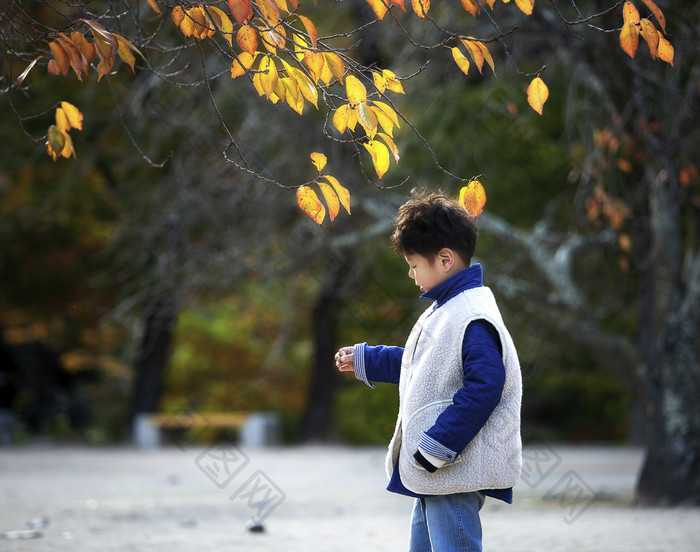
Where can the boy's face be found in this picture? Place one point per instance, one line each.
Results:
(426, 273)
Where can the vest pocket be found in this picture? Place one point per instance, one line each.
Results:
(418, 423)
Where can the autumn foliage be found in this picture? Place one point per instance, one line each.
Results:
(278, 50)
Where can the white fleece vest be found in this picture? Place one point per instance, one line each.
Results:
(431, 373)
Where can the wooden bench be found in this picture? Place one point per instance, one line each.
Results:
(256, 428)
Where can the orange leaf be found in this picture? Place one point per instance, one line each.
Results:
(421, 8)
(124, 52)
(657, 13)
(319, 160)
(537, 94)
(380, 156)
(77, 61)
(106, 43)
(379, 7)
(649, 33)
(24, 74)
(525, 6)
(60, 56)
(247, 39)
(665, 51)
(340, 118)
(309, 203)
(473, 197)
(311, 29)
(178, 15)
(342, 191)
(398, 3)
(461, 61)
(75, 117)
(87, 48)
(331, 199)
(688, 174)
(630, 13)
(242, 10)
(476, 53)
(355, 90)
(241, 65)
(315, 62)
(471, 6)
(154, 6)
(629, 38)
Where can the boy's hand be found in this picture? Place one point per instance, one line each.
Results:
(344, 359)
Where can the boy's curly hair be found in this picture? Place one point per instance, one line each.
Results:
(431, 221)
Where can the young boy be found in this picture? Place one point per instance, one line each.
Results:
(457, 437)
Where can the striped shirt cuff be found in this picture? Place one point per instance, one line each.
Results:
(429, 447)
(358, 356)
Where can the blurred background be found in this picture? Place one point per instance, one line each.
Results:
(148, 274)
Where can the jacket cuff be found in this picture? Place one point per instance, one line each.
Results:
(423, 461)
(434, 448)
(358, 356)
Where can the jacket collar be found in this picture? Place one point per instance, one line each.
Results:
(466, 279)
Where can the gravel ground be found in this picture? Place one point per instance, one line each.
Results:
(310, 499)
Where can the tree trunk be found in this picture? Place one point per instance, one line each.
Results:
(153, 357)
(317, 418)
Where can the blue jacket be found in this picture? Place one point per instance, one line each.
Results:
(484, 376)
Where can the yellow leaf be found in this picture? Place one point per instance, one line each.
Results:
(629, 38)
(241, 65)
(124, 52)
(537, 94)
(306, 86)
(247, 39)
(55, 142)
(380, 156)
(75, 117)
(487, 55)
(268, 77)
(319, 160)
(665, 51)
(326, 75)
(392, 146)
(461, 61)
(386, 108)
(392, 83)
(384, 120)
(293, 96)
(223, 23)
(525, 6)
(340, 118)
(309, 203)
(335, 64)
(473, 198)
(68, 148)
(367, 119)
(352, 117)
(657, 13)
(421, 8)
(270, 11)
(300, 46)
(331, 199)
(355, 90)
(471, 6)
(379, 81)
(651, 35)
(242, 10)
(342, 191)
(154, 6)
(379, 7)
(630, 13)
(62, 120)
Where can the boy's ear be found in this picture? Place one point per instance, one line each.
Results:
(446, 258)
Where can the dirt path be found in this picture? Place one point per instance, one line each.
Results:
(310, 499)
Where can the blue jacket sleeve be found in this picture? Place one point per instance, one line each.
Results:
(381, 364)
(484, 378)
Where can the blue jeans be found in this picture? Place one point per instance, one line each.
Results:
(447, 523)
